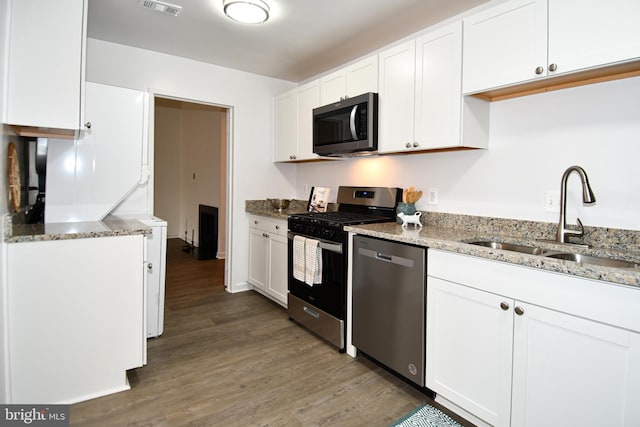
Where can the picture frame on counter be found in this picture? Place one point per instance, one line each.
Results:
(318, 199)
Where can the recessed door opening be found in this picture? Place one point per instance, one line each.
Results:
(190, 146)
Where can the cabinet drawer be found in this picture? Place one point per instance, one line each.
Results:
(592, 299)
(268, 225)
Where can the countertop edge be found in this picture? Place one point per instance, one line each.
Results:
(111, 226)
(454, 241)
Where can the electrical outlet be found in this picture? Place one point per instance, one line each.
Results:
(432, 198)
(552, 201)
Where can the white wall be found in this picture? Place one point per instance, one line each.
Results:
(251, 173)
(168, 164)
(532, 141)
(201, 148)
(4, 132)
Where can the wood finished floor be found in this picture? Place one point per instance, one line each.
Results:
(237, 360)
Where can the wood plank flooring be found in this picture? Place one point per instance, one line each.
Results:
(237, 360)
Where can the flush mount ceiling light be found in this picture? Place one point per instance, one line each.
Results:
(247, 11)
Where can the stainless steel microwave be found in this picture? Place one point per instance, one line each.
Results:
(347, 128)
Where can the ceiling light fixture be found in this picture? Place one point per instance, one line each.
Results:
(247, 11)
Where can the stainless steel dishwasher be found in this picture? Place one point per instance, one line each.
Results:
(389, 305)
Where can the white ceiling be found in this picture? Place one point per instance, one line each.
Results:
(303, 38)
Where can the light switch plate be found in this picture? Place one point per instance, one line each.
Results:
(432, 198)
(552, 201)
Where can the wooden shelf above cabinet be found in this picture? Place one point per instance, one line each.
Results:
(38, 132)
(614, 72)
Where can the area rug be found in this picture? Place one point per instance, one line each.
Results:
(426, 416)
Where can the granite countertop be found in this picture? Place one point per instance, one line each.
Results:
(108, 227)
(455, 240)
(263, 208)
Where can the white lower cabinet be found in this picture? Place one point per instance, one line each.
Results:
(573, 371)
(75, 317)
(268, 257)
(469, 344)
(277, 285)
(515, 346)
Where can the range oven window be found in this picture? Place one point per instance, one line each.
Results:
(330, 294)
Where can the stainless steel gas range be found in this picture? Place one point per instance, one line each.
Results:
(320, 304)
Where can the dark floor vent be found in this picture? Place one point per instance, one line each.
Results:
(207, 232)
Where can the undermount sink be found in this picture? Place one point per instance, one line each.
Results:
(568, 256)
(586, 259)
(510, 247)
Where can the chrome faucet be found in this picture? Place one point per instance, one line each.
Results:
(588, 198)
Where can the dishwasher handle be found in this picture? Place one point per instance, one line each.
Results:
(384, 257)
(381, 256)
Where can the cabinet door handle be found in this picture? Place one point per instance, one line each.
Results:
(87, 125)
(408, 145)
(265, 235)
(553, 67)
(539, 70)
(149, 266)
(519, 310)
(277, 227)
(415, 144)
(504, 306)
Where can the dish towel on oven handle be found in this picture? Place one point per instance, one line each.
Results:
(313, 262)
(299, 263)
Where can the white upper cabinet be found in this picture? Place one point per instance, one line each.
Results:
(353, 80)
(333, 87)
(443, 118)
(286, 126)
(523, 40)
(46, 63)
(588, 33)
(362, 77)
(294, 123)
(504, 45)
(396, 97)
(89, 176)
(308, 99)
(421, 106)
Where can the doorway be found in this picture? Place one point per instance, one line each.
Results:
(190, 145)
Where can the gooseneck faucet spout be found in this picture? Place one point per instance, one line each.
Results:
(588, 198)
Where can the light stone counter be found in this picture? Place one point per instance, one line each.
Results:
(110, 226)
(455, 240)
(263, 208)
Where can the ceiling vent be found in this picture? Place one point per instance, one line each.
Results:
(159, 6)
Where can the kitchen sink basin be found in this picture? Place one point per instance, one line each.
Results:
(510, 247)
(568, 256)
(586, 259)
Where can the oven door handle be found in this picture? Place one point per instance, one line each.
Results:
(324, 244)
